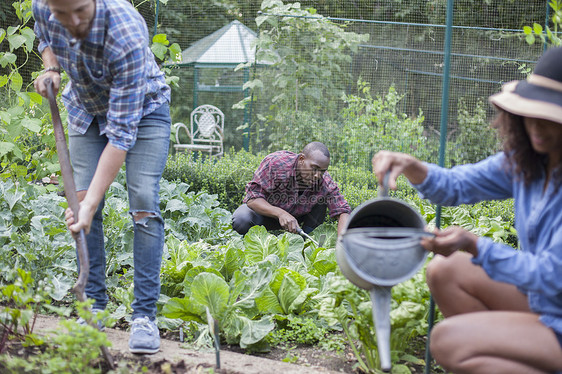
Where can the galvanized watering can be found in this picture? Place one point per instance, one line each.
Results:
(380, 247)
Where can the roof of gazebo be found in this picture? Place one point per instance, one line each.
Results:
(230, 45)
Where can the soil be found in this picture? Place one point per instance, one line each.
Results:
(176, 357)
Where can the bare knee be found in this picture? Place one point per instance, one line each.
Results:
(139, 216)
(443, 345)
(444, 271)
(439, 272)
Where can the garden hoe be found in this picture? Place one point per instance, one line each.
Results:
(71, 196)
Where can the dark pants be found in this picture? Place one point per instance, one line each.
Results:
(243, 218)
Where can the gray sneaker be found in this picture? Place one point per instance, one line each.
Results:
(101, 325)
(145, 337)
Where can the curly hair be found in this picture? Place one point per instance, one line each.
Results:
(527, 163)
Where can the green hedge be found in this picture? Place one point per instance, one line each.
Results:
(227, 177)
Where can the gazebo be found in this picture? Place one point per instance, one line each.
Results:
(225, 48)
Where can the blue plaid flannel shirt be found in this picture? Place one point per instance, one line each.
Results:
(113, 74)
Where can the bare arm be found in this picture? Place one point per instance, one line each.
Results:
(286, 220)
(49, 61)
(342, 220)
(108, 166)
(398, 163)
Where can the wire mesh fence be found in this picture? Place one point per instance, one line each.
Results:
(358, 75)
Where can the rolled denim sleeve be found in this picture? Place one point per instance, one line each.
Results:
(532, 272)
(466, 184)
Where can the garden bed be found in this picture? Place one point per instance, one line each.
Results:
(175, 357)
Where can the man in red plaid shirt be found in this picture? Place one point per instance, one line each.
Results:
(290, 189)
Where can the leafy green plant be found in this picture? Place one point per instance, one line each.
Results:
(474, 139)
(169, 53)
(308, 58)
(21, 302)
(305, 47)
(351, 309)
(226, 178)
(72, 348)
(546, 35)
(245, 283)
(375, 123)
(299, 330)
(27, 143)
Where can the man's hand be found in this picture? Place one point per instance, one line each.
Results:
(85, 216)
(41, 86)
(287, 221)
(448, 241)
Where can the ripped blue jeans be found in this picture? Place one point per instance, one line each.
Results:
(144, 165)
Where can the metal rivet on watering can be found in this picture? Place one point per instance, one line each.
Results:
(380, 247)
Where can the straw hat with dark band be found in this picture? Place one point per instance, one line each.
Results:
(540, 96)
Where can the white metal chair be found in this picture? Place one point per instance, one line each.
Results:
(206, 131)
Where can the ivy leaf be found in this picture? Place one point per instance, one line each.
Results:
(29, 36)
(7, 58)
(6, 148)
(160, 38)
(159, 50)
(12, 30)
(15, 41)
(32, 124)
(35, 97)
(16, 81)
(5, 117)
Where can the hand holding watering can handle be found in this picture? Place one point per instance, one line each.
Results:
(383, 188)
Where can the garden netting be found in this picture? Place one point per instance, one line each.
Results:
(357, 75)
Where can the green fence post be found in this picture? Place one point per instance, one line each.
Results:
(545, 44)
(246, 117)
(156, 18)
(442, 145)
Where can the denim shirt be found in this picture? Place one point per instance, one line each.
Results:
(537, 268)
(113, 74)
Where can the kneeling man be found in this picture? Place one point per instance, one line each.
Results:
(290, 189)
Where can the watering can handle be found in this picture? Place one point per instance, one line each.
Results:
(383, 189)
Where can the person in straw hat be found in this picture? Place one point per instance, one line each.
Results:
(503, 307)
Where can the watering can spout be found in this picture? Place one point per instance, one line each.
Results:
(380, 298)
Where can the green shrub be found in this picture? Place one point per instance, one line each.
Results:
(226, 177)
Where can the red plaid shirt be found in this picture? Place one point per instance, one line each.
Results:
(275, 181)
